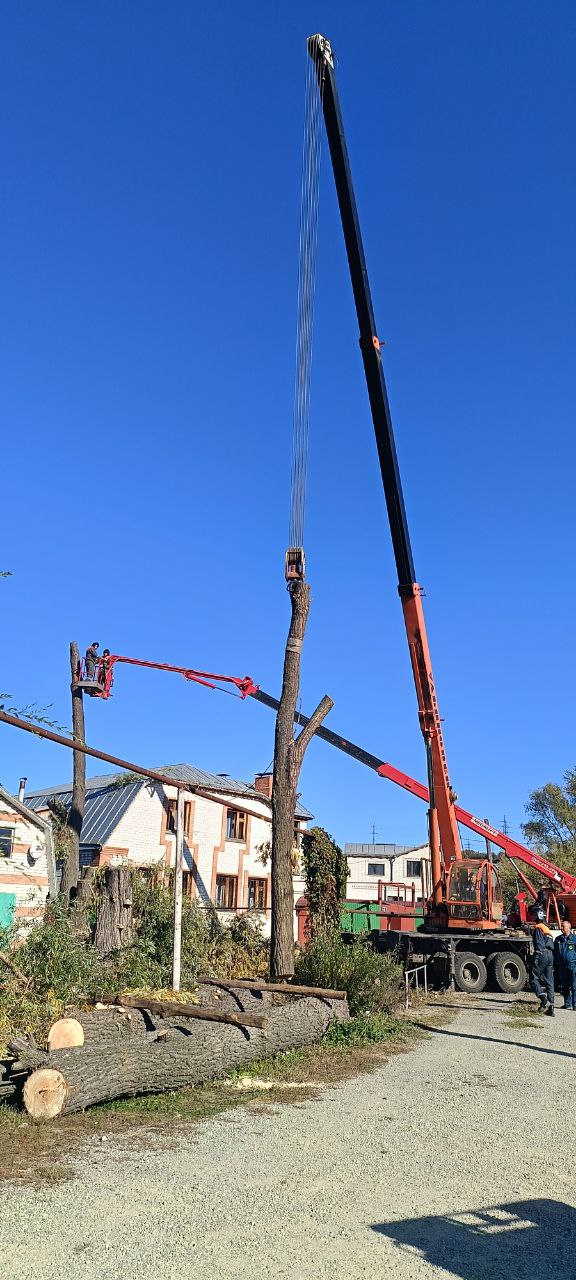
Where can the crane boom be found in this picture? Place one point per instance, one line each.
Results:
(441, 794)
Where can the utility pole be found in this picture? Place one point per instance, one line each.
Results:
(177, 946)
(71, 868)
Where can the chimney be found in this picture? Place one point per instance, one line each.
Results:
(21, 789)
(263, 783)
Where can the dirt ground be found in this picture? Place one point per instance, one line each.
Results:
(454, 1160)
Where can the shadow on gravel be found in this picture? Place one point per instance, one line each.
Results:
(522, 1239)
(465, 1035)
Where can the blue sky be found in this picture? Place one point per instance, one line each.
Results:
(148, 233)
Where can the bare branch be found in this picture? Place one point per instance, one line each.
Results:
(316, 719)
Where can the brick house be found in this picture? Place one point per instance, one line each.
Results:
(132, 820)
(392, 863)
(27, 865)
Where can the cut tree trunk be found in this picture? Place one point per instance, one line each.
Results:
(73, 1079)
(71, 867)
(288, 757)
(114, 917)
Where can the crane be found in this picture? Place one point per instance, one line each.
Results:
(466, 893)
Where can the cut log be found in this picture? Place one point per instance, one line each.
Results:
(72, 1079)
(66, 1033)
(280, 988)
(44, 1094)
(176, 1009)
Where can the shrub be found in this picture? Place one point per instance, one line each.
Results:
(325, 871)
(372, 981)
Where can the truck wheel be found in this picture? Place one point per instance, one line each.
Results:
(509, 972)
(470, 971)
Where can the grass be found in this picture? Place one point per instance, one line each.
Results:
(522, 1015)
(36, 1153)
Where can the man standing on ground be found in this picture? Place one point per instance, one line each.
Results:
(542, 976)
(565, 952)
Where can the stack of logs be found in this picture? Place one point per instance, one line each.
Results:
(129, 1045)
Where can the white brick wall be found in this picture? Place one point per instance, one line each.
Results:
(364, 886)
(25, 873)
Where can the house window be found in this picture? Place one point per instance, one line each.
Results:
(188, 819)
(6, 841)
(256, 895)
(414, 867)
(376, 869)
(226, 892)
(171, 815)
(235, 825)
(188, 884)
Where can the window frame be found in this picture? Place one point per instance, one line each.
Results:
(260, 884)
(377, 869)
(238, 821)
(225, 881)
(414, 862)
(7, 832)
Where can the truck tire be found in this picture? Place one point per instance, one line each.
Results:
(470, 972)
(509, 972)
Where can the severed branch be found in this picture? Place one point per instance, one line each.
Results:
(318, 716)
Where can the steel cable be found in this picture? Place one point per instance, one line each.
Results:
(307, 258)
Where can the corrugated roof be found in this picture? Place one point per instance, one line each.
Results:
(105, 805)
(106, 801)
(380, 850)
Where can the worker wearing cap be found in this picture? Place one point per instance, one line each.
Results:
(565, 953)
(90, 660)
(542, 975)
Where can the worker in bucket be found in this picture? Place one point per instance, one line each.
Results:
(565, 953)
(542, 975)
(90, 660)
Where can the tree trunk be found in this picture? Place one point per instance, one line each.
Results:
(73, 1079)
(288, 757)
(114, 920)
(71, 868)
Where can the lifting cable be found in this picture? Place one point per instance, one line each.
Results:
(308, 253)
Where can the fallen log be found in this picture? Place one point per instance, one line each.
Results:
(176, 1009)
(280, 988)
(69, 1080)
(5, 959)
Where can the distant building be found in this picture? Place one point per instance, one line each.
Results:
(130, 820)
(27, 866)
(392, 863)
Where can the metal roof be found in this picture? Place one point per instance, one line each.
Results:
(380, 850)
(107, 800)
(105, 805)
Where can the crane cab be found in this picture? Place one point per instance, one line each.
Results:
(473, 895)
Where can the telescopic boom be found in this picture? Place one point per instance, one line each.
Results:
(442, 817)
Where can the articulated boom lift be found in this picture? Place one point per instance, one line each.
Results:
(466, 892)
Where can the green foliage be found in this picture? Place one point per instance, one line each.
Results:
(366, 1029)
(371, 980)
(66, 970)
(325, 871)
(551, 825)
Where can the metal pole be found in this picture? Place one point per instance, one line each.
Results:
(177, 949)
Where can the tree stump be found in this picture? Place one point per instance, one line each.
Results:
(114, 919)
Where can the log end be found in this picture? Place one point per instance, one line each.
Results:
(45, 1093)
(66, 1033)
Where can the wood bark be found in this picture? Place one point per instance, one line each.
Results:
(173, 1008)
(71, 867)
(114, 917)
(73, 1079)
(288, 757)
(279, 988)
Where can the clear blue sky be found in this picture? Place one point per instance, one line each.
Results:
(148, 228)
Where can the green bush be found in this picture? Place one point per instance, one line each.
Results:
(372, 981)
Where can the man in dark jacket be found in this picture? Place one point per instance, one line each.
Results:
(565, 953)
(542, 976)
(90, 660)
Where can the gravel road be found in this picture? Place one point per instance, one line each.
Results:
(453, 1160)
